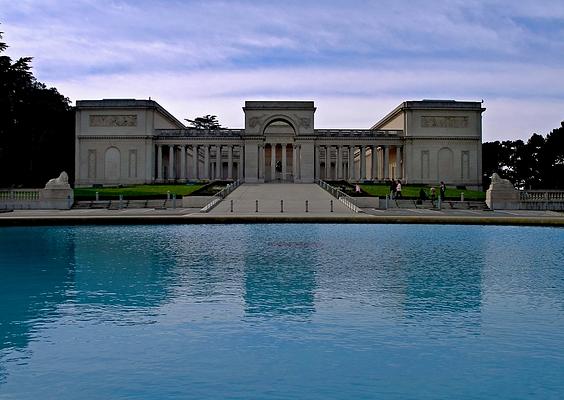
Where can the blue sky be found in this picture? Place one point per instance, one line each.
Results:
(356, 59)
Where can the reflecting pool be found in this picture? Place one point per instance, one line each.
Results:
(282, 311)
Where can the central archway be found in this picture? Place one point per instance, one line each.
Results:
(279, 157)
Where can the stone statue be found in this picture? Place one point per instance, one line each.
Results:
(498, 182)
(62, 182)
(502, 195)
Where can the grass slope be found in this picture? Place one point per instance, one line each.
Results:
(412, 192)
(135, 191)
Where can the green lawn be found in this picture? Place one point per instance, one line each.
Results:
(135, 191)
(412, 192)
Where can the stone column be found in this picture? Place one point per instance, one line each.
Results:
(159, 163)
(385, 161)
(171, 161)
(206, 161)
(230, 162)
(299, 162)
(374, 163)
(262, 162)
(294, 162)
(327, 162)
(339, 169)
(317, 163)
(284, 167)
(272, 161)
(218, 162)
(194, 174)
(183, 162)
(241, 163)
(351, 163)
(362, 163)
(399, 175)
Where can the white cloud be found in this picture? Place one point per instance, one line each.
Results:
(356, 59)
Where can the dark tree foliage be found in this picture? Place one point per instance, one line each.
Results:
(537, 164)
(36, 127)
(209, 122)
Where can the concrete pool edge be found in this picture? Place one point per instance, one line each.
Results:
(46, 220)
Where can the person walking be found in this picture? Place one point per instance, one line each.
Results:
(442, 191)
(433, 196)
(393, 189)
(398, 190)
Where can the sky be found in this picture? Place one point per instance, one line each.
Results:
(357, 60)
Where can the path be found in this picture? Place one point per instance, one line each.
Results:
(269, 196)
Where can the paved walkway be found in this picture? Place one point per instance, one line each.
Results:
(269, 195)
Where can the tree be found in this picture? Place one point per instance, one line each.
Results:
(36, 126)
(553, 161)
(208, 122)
(537, 164)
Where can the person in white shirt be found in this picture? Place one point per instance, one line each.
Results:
(398, 190)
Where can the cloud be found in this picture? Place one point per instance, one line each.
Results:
(208, 57)
(345, 98)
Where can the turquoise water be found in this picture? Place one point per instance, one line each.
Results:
(282, 311)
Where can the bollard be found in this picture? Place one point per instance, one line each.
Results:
(231, 206)
(386, 202)
(307, 206)
(69, 202)
(174, 200)
(97, 196)
(256, 205)
(120, 201)
(281, 206)
(331, 205)
(168, 195)
(439, 202)
(461, 196)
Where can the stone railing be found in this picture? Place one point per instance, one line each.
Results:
(541, 195)
(19, 194)
(502, 195)
(57, 195)
(340, 195)
(216, 199)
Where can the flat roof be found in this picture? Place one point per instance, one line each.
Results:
(430, 104)
(128, 103)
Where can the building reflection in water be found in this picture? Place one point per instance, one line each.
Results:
(129, 270)
(37, 273)
(49, 271)
(280, 273)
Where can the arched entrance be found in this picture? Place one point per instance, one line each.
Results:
(279, 154)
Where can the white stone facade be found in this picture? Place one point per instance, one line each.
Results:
(138, 141)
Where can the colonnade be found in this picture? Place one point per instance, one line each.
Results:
(278, 161)
(284, 155)
(185, 162)
(349, 162)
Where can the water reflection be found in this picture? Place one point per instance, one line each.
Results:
(280, 272)
(373, 307)
(37, 275)
(117, 269)
(448, 280)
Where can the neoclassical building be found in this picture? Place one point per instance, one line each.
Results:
(138, 141)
